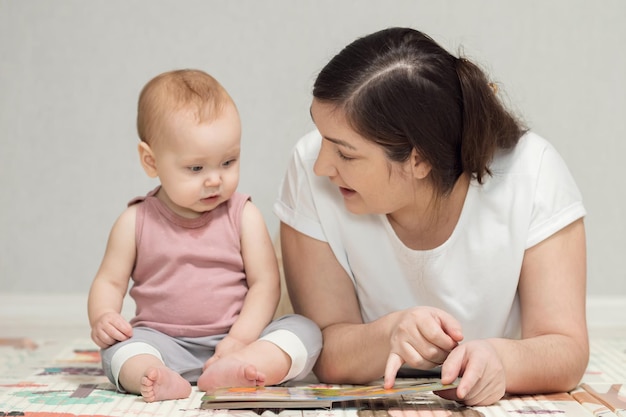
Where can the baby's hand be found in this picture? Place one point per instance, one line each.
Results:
(228, 345)
(109, 329)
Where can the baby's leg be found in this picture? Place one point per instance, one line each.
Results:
(146, 375)
(259, 363)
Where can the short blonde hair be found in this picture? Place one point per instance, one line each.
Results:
(172, 91)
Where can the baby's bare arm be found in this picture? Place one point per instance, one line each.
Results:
(262, 276)
(111, 283)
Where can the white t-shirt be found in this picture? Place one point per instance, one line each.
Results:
(474, 274)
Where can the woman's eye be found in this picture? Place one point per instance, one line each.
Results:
(344, 157)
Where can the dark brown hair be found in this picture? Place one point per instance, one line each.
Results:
(403, 91)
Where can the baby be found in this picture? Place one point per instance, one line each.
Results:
(204, 273)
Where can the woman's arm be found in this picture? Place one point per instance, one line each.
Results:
(320, 289)
(554, 350)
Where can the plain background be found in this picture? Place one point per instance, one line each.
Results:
(70, 73)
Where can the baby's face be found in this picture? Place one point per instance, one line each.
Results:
(198, 163)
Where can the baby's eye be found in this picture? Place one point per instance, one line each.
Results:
(229, 162)
(195, 168)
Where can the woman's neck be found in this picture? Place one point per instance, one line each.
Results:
(430, 222)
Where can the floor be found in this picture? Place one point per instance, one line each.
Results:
(60, 326)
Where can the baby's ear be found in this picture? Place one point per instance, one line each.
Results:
(146, 157)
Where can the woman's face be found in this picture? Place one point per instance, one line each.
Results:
(369, 182)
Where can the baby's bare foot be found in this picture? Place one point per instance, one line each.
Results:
(163, 384)
(230, 372)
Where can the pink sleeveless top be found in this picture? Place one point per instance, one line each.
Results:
(188, 279)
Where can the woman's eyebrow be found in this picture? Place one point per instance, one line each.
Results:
(335, 141)
(340, 142)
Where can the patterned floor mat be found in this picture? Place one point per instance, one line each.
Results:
(66, 380)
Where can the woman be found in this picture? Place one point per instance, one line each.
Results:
(423, 226)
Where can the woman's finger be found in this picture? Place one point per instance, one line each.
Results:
(394, 362)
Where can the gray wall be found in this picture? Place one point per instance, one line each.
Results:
(70, 73)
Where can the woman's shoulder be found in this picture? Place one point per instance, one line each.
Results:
(532, 171)
(525, 158)
(533, 144)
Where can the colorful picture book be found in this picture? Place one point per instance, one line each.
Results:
(312, 396)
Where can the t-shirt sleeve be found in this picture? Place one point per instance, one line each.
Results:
(558, 201)
(296, 205)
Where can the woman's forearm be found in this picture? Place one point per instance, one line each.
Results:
(547, 363)
(357, 354)
(354, 353)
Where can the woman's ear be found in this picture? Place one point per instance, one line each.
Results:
(146, 157)
(420, 167)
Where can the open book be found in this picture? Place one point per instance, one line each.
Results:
(313, 396)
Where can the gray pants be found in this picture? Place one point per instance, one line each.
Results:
(298, 336)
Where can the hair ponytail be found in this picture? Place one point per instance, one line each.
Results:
(487, 124)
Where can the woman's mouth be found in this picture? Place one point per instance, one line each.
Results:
(346, 192)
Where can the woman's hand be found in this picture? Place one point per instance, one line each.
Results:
(423, 337)
(483, 379)
(109, 329)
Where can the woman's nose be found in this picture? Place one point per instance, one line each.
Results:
(323, 166)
